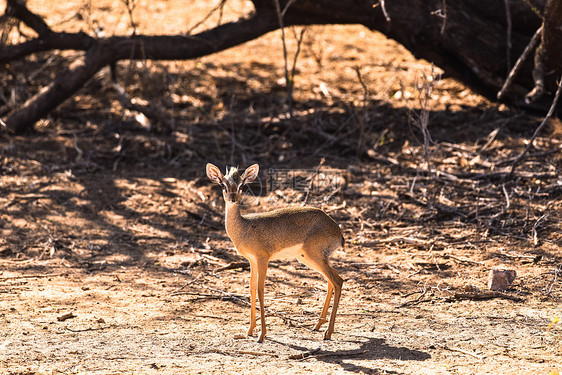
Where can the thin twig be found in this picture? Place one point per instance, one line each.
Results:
(363, 85)
(421, 119)
(480, 296)
(314, 353)
(289, 3)
(444, 17)
(363, 118)
(507, 202)
(493, 134)
(313, 179)
(299, 43)
(238, 352)
(548, 115)
(556, 272)
(288, 82)
(252, 352)
(204, 296)
(185, 285)
(219, 8)
(130, 5)
(519, 63)
(480, 357)
(441, 13)
(304, 355)
(91, 329)
(418, 300)
(348, 353)
(462, 260)
(234, 266)
(476, 296)
(384, 12)
(31, 276)
(535, 226)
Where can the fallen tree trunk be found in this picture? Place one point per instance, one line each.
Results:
(475, 41)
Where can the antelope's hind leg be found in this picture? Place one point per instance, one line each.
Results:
(335, 282)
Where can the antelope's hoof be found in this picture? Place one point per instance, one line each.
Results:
(319, 324)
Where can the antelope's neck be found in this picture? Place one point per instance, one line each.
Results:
(234, 221)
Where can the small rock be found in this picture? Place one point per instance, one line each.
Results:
(500, 279)
(66, 316)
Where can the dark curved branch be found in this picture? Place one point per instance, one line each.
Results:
(471, 46)
(48, 42)
(17, 9)
(156, 47)
(65, 85)
(476, 58)
(107, 51)
(181, 47)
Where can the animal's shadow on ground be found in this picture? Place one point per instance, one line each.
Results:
(370, 350)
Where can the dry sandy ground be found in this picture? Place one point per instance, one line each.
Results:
(116, 225)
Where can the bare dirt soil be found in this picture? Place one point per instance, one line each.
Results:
(113, 253)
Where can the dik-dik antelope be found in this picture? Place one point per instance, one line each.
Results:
(305, 233)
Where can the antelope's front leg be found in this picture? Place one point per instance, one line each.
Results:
(262, 272)
(253, 290)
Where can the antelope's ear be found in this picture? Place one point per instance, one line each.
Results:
(250, 174)
(214, 174)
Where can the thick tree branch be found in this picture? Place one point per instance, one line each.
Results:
(107, 51)
(178, 47)
(65, 84)
(471, 46)
(182, 47)
(475, 58)
(156, 47)
(48, 42)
